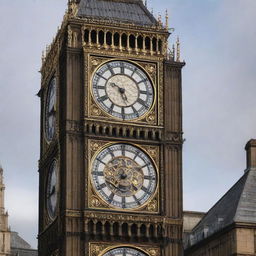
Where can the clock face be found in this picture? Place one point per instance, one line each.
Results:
(123, 90)
(50, 112)
(124, 251)
(52, 191)
(124, 176)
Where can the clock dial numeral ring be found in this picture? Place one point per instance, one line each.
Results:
(123, 90)
(50, 111)
(124, 176)
(52, 190)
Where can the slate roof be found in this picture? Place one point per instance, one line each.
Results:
(19, 247)
(238, 205)
(126, 11)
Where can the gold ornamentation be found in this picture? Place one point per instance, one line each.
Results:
(70, 36)
(96, 249)
(153, 252)
(95, 62)
(150, 69)
(152, 206)
(96, 111)
(95, 146)
(95, 202)
(151, 118)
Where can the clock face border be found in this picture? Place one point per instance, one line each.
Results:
(95, 200)
(53, 77)
(96, 110)
(99, 249)
(136, 249)
(49, 176)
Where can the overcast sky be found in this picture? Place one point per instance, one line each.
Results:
(218, 40)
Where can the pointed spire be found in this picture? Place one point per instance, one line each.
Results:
(166, 19)
(178, 50)
(160, 19)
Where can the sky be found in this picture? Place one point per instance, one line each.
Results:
(218, 39)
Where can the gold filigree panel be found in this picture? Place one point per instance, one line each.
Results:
(95, 200)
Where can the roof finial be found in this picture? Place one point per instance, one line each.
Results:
(178, 49)
(160, 19)
(167, 19)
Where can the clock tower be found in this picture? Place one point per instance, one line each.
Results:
(110, 166)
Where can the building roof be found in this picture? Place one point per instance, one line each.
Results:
(238, 205)
(126, 11)
(19, 247)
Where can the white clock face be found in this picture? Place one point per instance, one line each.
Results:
(124, 176)
(124, 251)
(50, 112)
(52, 191)
(123, 90)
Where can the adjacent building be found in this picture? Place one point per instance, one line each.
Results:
(11, 244)
(229, 227)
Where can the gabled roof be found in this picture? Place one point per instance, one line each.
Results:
(238, 205)
(126, 11)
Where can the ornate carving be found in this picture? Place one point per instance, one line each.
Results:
(70, 36)
(95, 111)
(152, 206)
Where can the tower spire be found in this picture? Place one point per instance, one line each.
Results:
(2, 188)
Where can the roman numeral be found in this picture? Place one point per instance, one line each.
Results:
(136, 199)
(145, 190)
(99, 87)
(123, 114)
(122, 68)
(100, 161)
(134, 71)
(123, 202)
(142, 81)
(111, 70)
(111, 108)
(142, 102)
(136, 155)
(145, 165)
(135, 111)
(98, 173)
(123, 150)
(111, 197)
(103, 98)
(146, 177)
(101, 76)
(111, 153)
(103, 185)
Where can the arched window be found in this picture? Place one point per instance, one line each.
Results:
(154, 44)
(140, 42)
(101, 37)
(94, 36)
(116, 39)
(109, 38)
(124, 40)
(147, 43)
(86, 35)
(132, 41)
